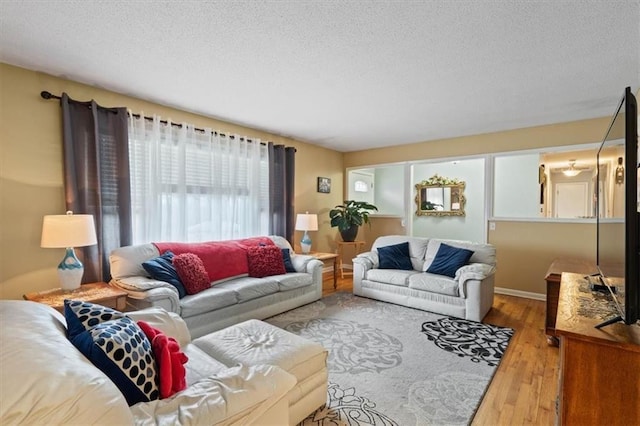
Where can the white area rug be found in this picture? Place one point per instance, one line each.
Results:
(391, 365)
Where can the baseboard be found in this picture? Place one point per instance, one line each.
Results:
(520, 293)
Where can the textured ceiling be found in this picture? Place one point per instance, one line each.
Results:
(345, 75)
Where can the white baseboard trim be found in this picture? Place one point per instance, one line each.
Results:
(520, 293)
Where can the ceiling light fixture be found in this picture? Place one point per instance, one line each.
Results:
(571, 171)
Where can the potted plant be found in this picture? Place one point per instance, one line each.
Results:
(349, 216)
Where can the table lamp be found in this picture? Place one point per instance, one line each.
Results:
(68, 231)
(306, 222)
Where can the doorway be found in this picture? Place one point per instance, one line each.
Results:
(572, 200)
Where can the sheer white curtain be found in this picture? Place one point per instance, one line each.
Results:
(188, 185)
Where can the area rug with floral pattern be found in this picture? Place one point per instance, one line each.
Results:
(392, 365)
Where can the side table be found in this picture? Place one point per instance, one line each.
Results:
(99, 292)
(358, 245)
(328, 257)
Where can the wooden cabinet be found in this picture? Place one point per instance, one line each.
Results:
(552, 278)
(599, 368)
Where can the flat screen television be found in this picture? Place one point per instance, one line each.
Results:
(617, 196)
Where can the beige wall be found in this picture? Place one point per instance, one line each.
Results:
(525, 249)
(31, 182)
(31, 172)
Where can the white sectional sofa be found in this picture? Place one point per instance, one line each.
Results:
(44, 379)
(237, 299)
(468, 294)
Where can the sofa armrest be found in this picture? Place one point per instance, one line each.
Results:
(150, 291)
(169, 323)
(238, 395)
(361, 264)
(369, 260)
(473, 271)
(301, 262)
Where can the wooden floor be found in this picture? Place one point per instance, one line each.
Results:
(523, 390)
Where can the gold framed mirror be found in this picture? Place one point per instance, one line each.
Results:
(440, 196)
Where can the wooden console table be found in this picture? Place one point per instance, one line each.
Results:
(599, 368)
(579, 266)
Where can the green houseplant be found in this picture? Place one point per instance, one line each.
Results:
(349, 216)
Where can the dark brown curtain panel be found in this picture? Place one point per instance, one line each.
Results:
(282, 162)
(96, 178)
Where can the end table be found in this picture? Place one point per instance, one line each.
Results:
(99, 292)
(331, 257)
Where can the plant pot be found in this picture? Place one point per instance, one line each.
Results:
(349, 235)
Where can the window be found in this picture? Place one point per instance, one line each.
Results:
(189, 185)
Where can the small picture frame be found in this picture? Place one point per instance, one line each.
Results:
(324, 185)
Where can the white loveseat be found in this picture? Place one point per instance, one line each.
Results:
(468, 295)
(272, 377)
(223, 304)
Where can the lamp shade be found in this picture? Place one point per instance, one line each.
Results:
(306, 222)
(68, 230)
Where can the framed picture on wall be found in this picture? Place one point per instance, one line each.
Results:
(324, 185)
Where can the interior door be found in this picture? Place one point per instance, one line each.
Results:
(572, 199)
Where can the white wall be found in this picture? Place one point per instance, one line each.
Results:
(469, 227)
(389, 190)
(516, 187)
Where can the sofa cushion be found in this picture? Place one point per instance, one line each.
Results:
(434, 283)
(417, 247)
(265, 261)
(395, 257)
(294, 280)
(119, 348)
(482, 253)
(390, 276)
(161, 268)
(248, 288)
(448, 260)
(191, 272)
(211, 299)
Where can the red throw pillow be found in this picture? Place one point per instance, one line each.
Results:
(169, 359)
(265, 261)
(191, 272)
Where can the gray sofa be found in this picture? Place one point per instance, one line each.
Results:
(468, 295)
(226, 303)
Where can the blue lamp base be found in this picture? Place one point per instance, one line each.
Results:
(70, 271)
(305, 244)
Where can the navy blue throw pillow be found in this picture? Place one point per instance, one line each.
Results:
(117, 346)
(286, 256)
(448, 260)
(395, 257)
(161, 269)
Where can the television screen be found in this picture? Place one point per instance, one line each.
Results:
(618, 210)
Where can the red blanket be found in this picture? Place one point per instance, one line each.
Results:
(221, 259)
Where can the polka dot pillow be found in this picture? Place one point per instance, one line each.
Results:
(116, 345)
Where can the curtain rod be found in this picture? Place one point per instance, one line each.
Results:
(48, 95)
